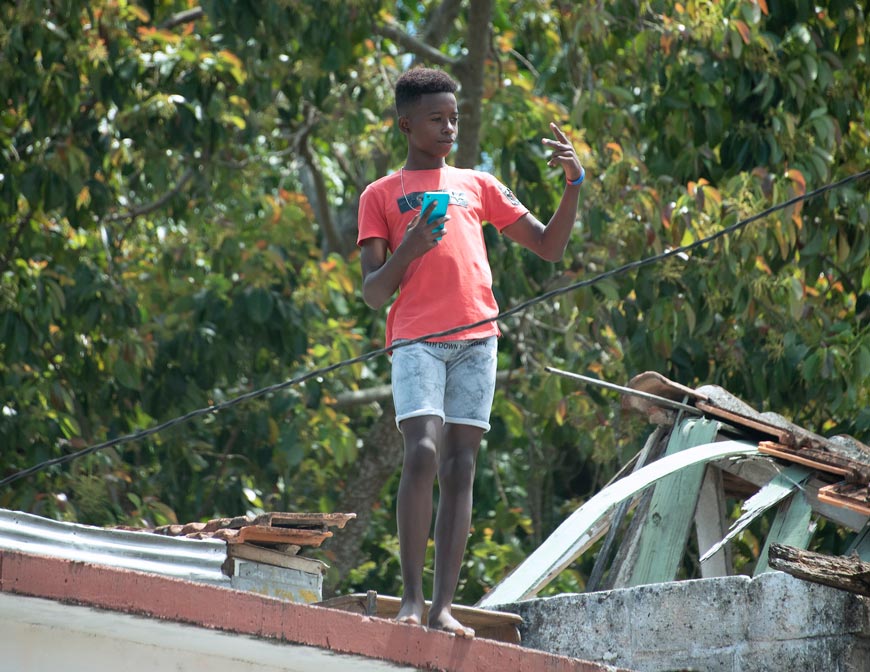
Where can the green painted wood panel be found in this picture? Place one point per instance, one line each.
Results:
(672, 509)
(861, 544)
(792, 526)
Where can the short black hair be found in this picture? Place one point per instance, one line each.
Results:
(419, 81)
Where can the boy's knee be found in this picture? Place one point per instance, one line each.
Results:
(457, 469)
(421, 454)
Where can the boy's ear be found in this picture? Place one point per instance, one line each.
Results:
(405, 125)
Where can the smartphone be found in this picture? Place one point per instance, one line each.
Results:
(441, 198)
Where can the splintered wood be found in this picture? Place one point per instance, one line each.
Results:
(284, 530)
(852, 573)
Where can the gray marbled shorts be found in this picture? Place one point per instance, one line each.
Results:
(454, 380)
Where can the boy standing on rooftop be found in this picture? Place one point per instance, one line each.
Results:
(443, 387)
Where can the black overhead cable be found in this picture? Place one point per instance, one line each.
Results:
(216, 408)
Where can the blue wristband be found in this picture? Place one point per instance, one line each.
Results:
(580, 179)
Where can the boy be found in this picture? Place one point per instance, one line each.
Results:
(443, 388)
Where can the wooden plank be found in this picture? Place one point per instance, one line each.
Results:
(711, 524)
(779, 487)
(291, 585)
(805, 456)
(847, 495)
(823, 460)
(780, 434)
(672, 508)
(759, 469)
(561, 547)
(860, 545)
(487, 624)
(627, 549)
(269, 556)
(756, 469)
(852, 573)
(792, 526)
(603, 557)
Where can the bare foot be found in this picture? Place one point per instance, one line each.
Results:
(410, 612)
(445, 621)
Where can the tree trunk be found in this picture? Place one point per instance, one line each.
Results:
(380, 457)
(470, 73)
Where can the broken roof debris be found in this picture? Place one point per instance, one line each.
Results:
(788, 467)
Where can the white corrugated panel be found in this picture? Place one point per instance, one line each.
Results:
(190, 559)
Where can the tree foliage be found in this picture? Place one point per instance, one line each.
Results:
(178, 189)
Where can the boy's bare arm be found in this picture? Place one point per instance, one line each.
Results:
(381, 273)
(550, 241)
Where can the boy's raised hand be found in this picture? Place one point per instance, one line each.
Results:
(563, 154)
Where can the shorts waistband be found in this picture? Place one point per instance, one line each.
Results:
(455, 345)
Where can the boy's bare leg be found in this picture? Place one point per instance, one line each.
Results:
(414, 509)
(456, 464)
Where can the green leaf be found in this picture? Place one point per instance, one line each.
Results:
(127, 374)
(862, 370)
(811, 367)
(259, 305)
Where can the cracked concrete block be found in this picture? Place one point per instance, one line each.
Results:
(772, 623)
(594, 621)
(687, 616)
(784, 607)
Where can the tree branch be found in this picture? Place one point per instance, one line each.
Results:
(438, 25)
(469, 70)
(206, 508)
(844, 277)
(321, 197)
(414, 45)
(154, 205)
(186, 16)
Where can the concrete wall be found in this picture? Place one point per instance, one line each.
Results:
(771, 623)
(60, 615)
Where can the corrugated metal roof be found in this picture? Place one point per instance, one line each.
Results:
(194, 560)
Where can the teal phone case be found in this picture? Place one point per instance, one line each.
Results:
(442, 199)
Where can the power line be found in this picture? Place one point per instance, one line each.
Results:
(216, 408)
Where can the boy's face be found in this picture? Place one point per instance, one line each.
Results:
(431, 124)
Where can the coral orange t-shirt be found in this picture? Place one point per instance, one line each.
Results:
(451, 285)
